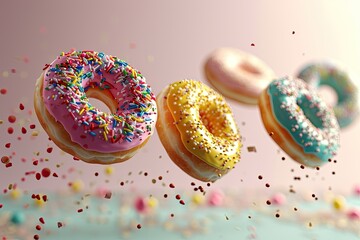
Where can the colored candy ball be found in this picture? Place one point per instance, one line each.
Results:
(45, 172)
(216, 198)
(152, 202)
(197, 199)
(11, 118)
(339, 203)
(357, 190)
(109, 170)
(354, 214)
(15, 194)
(278, 199)
(17, 218)
(141, 205)
(77, 186)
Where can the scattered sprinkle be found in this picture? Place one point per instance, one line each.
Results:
(251, 149)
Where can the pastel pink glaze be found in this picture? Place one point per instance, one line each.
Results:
(61, 103)
(216, 198)
(230, 65)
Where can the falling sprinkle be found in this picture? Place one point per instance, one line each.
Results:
(5, 159)
(108, 195)
(10, 130)
(45, 172)
(38, 176)
(251, 149)
(12, 119)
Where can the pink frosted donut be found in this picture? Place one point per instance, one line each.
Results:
(64, 110)
(238, 75)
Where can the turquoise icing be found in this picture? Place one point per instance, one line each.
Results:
(308, 120)
(346, 109)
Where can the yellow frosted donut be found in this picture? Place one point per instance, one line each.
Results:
(197, 129)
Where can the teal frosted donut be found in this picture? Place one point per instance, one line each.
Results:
(347, 106)
(299, 121)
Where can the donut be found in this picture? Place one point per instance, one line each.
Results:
(318, 74)
(299, 121)
(65, 112)
(197, 130)
(237, 75)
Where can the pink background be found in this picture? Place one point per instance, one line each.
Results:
(169, 41)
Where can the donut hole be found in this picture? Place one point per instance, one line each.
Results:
(328, 94)
(99, 104)
(102, 100)
(310, 110)
(213, 121)
(247, 67)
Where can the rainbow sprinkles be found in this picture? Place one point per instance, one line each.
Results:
(66, 83)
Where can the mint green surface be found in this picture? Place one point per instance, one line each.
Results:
(219, 222)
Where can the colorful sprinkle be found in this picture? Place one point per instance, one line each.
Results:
(69, 77)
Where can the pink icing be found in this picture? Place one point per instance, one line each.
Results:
(65, 83)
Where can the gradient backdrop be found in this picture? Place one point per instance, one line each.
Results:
(169, 41)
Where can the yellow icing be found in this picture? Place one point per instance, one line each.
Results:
(205, 122)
